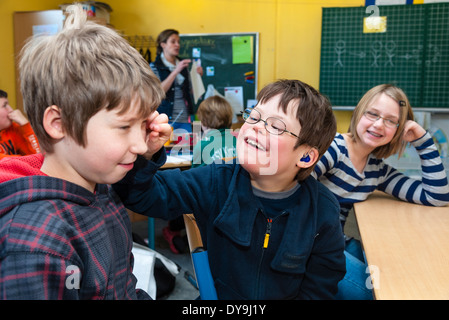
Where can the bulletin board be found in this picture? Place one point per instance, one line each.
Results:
(229, 62)
(408, 46)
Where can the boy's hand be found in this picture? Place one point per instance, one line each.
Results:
(18, 117)
(413, 131)
(158, 132)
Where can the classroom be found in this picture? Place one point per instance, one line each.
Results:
(243, 46)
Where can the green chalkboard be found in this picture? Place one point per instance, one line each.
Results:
(412, 52)
(228, 60)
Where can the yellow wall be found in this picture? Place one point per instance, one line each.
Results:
(7, 68)
(289, 31)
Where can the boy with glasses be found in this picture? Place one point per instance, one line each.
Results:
(271, 230)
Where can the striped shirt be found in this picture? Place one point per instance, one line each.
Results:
(336, 171)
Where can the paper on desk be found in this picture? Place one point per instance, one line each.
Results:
(197, 82)
(179, 158)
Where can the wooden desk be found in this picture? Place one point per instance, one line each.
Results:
(181, 165)
(408, 245)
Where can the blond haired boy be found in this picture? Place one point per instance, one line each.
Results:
(64, 233)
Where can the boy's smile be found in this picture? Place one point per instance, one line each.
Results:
(254, 143)
(127, 166)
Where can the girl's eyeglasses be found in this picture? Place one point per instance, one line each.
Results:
(372, 116)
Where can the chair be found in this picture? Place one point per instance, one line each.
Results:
(200, 260)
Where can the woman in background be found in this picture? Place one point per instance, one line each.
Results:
(174, 75)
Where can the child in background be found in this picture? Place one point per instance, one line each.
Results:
(90, 98)
(17, 138)
(217, 142)
(353, 167)
(271, 230)
(217, 145)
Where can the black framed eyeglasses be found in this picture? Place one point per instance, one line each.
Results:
(273, 125)
(372, 116)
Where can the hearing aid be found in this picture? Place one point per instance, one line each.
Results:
(305, 158)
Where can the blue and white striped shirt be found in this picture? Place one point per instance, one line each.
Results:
(336, 171)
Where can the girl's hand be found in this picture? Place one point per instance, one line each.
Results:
(158, 133)
(413, 131)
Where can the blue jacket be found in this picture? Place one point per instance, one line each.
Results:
(304, 258)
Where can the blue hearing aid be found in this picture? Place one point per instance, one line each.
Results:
(305, 158)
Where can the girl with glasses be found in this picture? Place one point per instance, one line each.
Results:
(353, 167)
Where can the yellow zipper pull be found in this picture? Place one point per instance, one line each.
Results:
(265, 242)
(267, 234)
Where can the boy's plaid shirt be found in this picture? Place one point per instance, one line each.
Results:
(60, 241)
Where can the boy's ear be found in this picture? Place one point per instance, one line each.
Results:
(52, 122)
(308, 159)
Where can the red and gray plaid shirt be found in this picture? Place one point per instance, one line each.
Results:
(60, 241)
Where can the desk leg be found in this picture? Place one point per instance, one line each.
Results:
(151, 233)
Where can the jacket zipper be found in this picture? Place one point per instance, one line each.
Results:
(265, 246)
(267, 233)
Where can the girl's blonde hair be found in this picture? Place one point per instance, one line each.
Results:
(397, 144)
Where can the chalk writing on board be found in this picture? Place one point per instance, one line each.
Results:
(385, 53)
(376, 52)
(340, 48)
(390, 48)
(414, 56)
(433, 55)
(188, 44)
